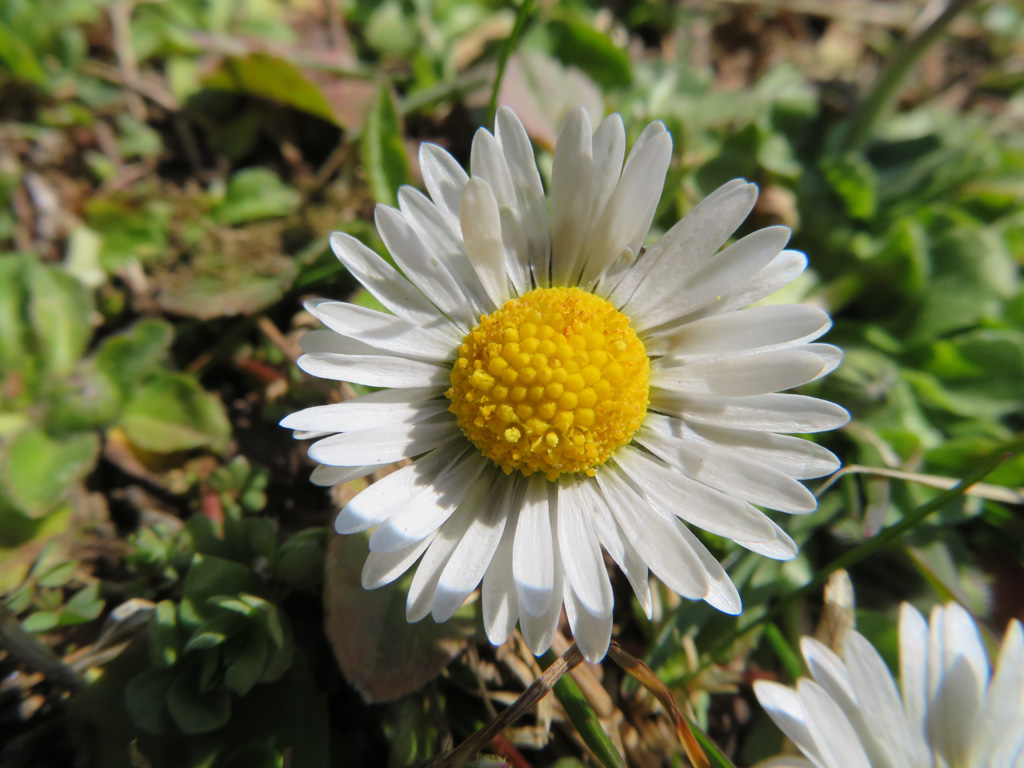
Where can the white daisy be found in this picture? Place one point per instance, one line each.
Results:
(953, 711)
(562, 391)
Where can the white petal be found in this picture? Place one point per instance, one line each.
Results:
(721, 594)
(571, 176)
(444, 179)
(481, 230)
(443, 238)
(436, 504)
(829, 671)
(768, 413)
(423, 268)
(742, 376)
(608, 149)
(657, 540)
(498, 595)
(532, 205)
(620, 230)
(914, 673)
(770, 327)
(386, 407)
(884, 733)
(428, 572)
(383, 445)
(675, 494)
(394, 492)
(784, 707)
(489, 164)
(1000, 736)
(618, 545)
(386, 332)
(734, 266)
(797, 457)
(779, 272)
(533, 553)
(581, 552)
(668, 264)
(382, 568)
(739, 476)
(327, 476)
(780, 547)
(468, 563)
(390, 288)
(591, 633)
(539, 630)
(833, 735)
(374, 370)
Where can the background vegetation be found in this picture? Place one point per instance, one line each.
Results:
(169, 173)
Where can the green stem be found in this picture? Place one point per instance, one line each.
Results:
(525, 11)
(895, 70)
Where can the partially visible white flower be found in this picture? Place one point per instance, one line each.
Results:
(954, 710)
(562, 392)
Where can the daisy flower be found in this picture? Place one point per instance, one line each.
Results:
(953, 712)
(560, 390)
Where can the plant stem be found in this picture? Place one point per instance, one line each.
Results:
(525, 11)
(895, 70)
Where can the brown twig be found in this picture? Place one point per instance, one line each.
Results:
(540, 688)
(646, 677)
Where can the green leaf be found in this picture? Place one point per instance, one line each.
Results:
(59, 575)
(133, 354)
(85, 605)
(213, 632)
(300, 560)
(13, 312)
(256, 193)
(208, 577)
(146, 698)
(269, 77)
(578, 43)
(195, 711)
(16, 52)
(583, 718)
(41, 621)
(384, 157)
(84, 400)
(853, 179)
(246, 661)
(171, 412)
(38, 470)
(60, 309)
(164, 637)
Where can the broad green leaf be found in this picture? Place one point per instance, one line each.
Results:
(256, 193)
(60, 309)
(38, 469)
(245, 661)
(41, 621)
(854, 181)
(215, 631)
(85, 605)
(131, 355)
(164, 636)
(21, 60)
(195, 711)
(207, 577)
(384, 157)
(300, 560)
(578, 43)
(86, 399)
(14, 272)
(146, 697)
(269, 77)
(171, 412)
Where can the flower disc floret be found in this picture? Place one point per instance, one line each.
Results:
(554, 381)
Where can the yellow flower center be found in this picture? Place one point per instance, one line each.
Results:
(552, 382)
